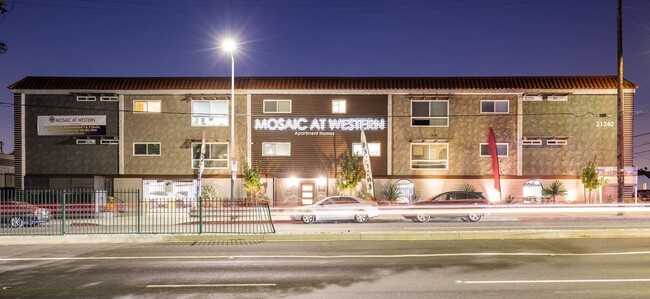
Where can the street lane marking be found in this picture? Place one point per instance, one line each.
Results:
(550, 281)
(218, 285)
(352, 256)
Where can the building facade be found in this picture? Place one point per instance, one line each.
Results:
(428, 134)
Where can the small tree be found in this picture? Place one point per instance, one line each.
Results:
(349, 173)
(555, 189)
(252, 182)
(391, 192)
(209, 196)
(589, 177)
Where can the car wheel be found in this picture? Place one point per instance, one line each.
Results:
(361, 217)
(422, 218)
(16, 222)
(308, 218)
(474, 217)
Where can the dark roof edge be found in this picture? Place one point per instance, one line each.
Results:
(37, 82)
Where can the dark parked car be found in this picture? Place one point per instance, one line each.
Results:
(644, 195)
(470, 206)
(19, 214)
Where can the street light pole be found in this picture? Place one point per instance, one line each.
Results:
(231, 46)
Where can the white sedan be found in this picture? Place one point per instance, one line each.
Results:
(337, 208)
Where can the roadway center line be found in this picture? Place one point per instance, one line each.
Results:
(549, 281)
(217, 285)
(350, 256)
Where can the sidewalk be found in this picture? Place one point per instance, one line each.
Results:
(500, 234)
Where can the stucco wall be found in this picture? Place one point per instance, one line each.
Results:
(173, 129)
(61, 154)
(467, 129)
(588, 135)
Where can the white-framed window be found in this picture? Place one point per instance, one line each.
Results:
(109, 98)
(495, 106)
(339, 106)
(533, 98)
(430, 113)
(373, 147)
(557, 142)
(210, 113)
(276, 149)
(502, 150)
(86, 98)
(557, 98)
(216, 155)
(109, 141)
(277, 106)
(146, 148)
(147, 106)
(433, 156)
(531, 142)
(86, 141)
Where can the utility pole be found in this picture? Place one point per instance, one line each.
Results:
(3, 11)
(620, 155)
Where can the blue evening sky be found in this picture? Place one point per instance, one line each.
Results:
(325, 38)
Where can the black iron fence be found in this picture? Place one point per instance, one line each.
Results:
(87, 211)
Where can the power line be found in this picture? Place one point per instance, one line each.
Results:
(414, 9)
(647, 143)
(595, 115)
(644, 134)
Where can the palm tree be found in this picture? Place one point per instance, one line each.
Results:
(555, 189)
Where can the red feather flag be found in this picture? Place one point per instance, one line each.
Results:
(492, 145)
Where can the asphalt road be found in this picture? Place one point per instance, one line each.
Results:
(569, 268)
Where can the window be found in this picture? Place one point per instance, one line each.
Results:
(276, 149)
(277, 106)
(86, 141)
(433, 113)
(533, 97)
(374, 149)
(429, 156)
(556, 142)
(108, 98)
(146, 148)
(557, 98)
(495, 106)
(216, 155)
(531, 142)
(146, 106)
(109, 141)
(338, 106)
(86, 98)
(210, 113)
(502, 150)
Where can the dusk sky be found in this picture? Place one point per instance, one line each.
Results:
(325, 38)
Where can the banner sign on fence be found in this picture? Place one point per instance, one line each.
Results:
(61, 125)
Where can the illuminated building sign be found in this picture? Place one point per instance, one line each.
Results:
(320, 124)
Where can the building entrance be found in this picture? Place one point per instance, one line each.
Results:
(307, 193)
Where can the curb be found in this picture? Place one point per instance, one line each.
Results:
(357, 236)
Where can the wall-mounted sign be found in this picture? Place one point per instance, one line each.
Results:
(320, 124)
(61, 125)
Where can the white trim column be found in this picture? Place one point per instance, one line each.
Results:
(121, 134)
(520, 133)
(249, 135)
(389, 145)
